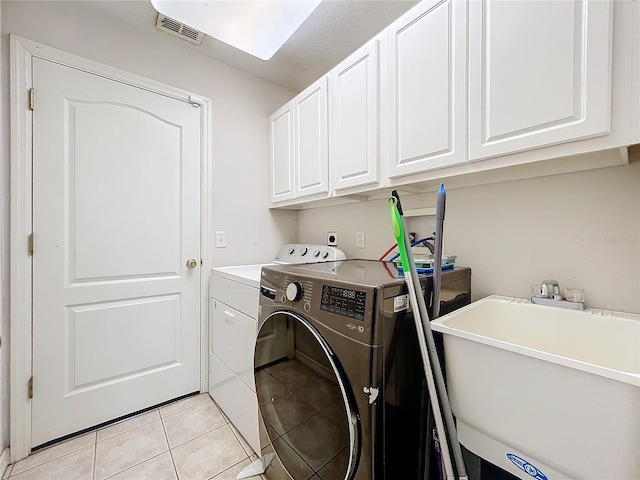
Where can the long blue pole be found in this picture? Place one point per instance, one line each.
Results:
(437, 260)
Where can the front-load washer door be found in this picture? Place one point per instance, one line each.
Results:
(306, 404)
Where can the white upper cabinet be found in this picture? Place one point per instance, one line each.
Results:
(454, 88)
(426, 92)
(311, 140)
(300, 146)
(281, 153)
(353, 100)
(539, 74)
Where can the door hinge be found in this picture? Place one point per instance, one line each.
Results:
(31, 98)
(30, 242)
(31, 387)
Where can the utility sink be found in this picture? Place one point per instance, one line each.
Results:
(545, 392)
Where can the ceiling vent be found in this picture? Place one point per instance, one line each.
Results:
(178, 29)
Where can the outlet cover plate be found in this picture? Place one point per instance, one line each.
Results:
(332, 239)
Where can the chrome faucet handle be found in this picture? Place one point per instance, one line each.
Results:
(549, 287)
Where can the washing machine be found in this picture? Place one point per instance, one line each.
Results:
(338, 374)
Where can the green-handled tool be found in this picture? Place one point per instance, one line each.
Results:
(399, 232)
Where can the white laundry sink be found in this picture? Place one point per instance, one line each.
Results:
(545, 392)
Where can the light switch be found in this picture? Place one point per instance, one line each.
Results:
(221, 240)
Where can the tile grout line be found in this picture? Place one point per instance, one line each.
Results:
(136, 465)
(209, 399)
(123, 422)
(226, 469)
(182, 409)
(201, 435)
(150, 458)
(48, 461)
(226, 423)
(233, 431)
(95, 457)
(140, 462)
(173, 462)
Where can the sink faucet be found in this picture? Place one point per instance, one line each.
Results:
(548, 293)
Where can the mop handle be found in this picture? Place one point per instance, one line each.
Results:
(435, 361)
(399, 232)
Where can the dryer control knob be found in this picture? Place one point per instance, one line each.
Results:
(294, 291)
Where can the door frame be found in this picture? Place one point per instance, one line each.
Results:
(23, 51)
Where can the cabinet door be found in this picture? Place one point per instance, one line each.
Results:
(353, 93)
(539, 73)
(311, 140)
(427, 50)
(281, 153)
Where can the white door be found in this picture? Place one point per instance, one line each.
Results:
(311, 140)
(353, 111)
(116, 214)
(427, 50)
(539, 74)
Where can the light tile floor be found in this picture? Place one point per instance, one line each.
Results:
(187, 440)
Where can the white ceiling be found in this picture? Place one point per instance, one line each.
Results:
(334, 30)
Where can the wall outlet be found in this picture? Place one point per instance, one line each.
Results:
(360, 239)
(332, 239)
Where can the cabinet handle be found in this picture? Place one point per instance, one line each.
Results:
(229, 316)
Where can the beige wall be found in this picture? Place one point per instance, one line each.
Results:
(582, 229)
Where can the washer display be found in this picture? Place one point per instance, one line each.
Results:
(343, 301)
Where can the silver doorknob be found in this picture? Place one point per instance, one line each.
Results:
(192, 263)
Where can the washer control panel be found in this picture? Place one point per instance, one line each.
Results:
(343, 301)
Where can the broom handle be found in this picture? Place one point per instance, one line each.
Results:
(432, 352)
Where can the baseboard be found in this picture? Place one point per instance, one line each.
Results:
(5, 459)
